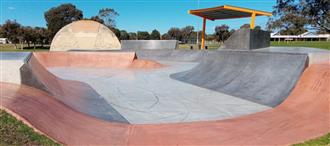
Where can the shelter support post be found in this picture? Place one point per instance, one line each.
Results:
(253, 17)
(203, 34)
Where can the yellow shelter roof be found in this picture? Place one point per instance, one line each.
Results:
(227, 12)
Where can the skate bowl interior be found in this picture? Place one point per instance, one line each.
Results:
(172, 97)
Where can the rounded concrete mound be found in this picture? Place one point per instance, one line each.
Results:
(85, 35)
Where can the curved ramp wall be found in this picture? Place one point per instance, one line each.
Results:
(149, 44)
(264, 78)
(78, 95)
(286, 124)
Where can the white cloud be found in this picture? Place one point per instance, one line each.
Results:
(11, 8)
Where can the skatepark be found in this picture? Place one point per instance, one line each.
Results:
(103, 92)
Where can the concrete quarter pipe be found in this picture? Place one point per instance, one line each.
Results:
(43, 102)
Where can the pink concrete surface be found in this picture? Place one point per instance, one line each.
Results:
(303, 115)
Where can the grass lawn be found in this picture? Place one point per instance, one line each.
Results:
(14, 132)
(11, 48)
(312, 44)
(321, 141)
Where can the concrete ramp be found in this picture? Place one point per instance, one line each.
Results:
(247, 39)
(304, 115)
(264, 78)
(149, 44)
(10, 63)
(77, 95)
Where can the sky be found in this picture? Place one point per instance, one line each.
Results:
(136, 15)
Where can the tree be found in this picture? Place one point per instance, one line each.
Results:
(174, 33)
(41, 36)
(12, 31)
(288, 24)
(294, 16)
(245, 26)
(124, 35)
(28, 35)
(108, 16)
(132, 36)
(186, 33)
(165, 36)
(1, 32)
(143, 35)
(155, 35)
(97, 19)
(232, 31)
(222, 33)
(57, 17)
(257, 27)
(116, 31)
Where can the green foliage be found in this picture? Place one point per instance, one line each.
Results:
(155, 35)
(292, 17)
(245, 26)
(12, 31)
(107, 15)
(116, 31)
(165, 36)
(143, 35)
(16, 33)
(312, 44)
(124, 35)
(321, 141)
(174, 33)
(187, 33)
(14, 132)
(132, 36)
(97, 19)
(222, 33)
(59, 16)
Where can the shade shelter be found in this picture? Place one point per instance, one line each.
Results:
(226, 12)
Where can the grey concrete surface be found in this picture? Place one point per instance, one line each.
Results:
(264, 78)
(10, 63)
(77, 95)
(151, 96)
(197, 85)
(303, 50)
(173, 55)
(149, 44)
(247, 39)
(315, 55)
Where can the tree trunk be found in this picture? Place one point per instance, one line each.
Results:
(22, 46)
(15, 46)
(34, 46)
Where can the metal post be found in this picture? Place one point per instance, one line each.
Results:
(203, 34)
(253, 17)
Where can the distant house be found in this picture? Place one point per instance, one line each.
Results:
(3, 41)
(307, 36)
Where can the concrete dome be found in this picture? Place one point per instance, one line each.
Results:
(85, 35)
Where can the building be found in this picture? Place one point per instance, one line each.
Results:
(3, 40)
(307, 36)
